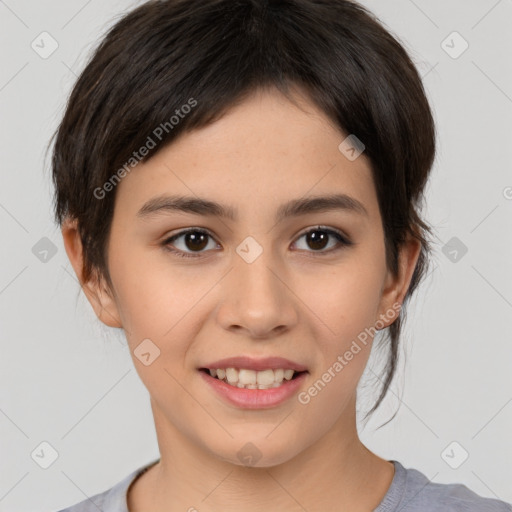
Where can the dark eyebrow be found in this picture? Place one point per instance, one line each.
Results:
(295, 207)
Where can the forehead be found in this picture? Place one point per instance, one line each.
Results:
(262, 153)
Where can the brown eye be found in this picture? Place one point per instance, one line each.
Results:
(192, 241)
(195, 240)
(318, 239)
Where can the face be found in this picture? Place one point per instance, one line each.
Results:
(303, 286)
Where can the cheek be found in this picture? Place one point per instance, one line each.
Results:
(345, 301)
(157, 310)
(346, 304)
(160, 302)
(153, 295)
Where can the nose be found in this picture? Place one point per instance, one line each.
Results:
(258, 300)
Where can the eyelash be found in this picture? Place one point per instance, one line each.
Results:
(343, 241)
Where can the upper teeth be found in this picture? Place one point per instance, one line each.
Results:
(251, 378)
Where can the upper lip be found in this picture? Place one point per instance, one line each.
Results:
(256, 364)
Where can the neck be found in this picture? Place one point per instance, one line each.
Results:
(335, 473)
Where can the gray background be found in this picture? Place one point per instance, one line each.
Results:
(68, 381)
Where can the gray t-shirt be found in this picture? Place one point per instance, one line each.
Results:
(410, 491)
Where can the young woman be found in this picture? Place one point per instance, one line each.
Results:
(239, 186)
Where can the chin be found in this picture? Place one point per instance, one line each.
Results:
(258, 453)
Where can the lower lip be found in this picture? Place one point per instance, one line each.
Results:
(255, 398)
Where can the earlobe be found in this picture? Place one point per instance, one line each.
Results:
(96, 291)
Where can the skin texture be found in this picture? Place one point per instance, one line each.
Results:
(290, 302)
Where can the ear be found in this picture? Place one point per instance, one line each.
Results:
(96, 290)
(395, 287)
